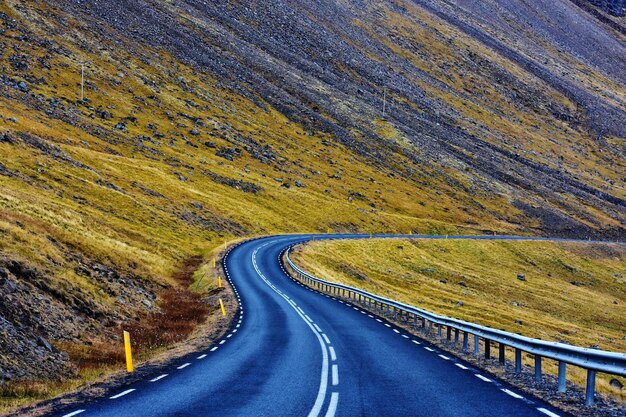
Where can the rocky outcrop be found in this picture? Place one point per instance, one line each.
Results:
(614, 7)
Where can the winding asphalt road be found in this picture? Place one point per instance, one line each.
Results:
(295, 352)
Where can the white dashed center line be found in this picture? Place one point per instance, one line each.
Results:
(201, 356)
(479, 376)
(461, 366)
(333, 356)
(547, 412)
(444, 357)
(429, 349)
(214, 349)
(184, 365)
(335, 372)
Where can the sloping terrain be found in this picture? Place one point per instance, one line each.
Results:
(204, 121)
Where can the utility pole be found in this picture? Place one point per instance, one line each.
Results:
(82, 82)
(384, 100)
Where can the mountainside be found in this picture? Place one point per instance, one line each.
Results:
(202, 121)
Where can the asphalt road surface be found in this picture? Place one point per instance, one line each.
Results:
(294, 352)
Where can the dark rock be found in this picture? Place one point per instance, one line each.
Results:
(299, 183)
(521, 277)
(103, 114)
(463, 284)
(443, 281)
(519, 322)
(45, 344)
(614, 7)
(22, 87)
(194, 132)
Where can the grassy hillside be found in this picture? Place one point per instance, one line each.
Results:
(572, 292)
(202, 122)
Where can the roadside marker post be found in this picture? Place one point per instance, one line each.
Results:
(222, 307)
(219, 282)
(129, 353)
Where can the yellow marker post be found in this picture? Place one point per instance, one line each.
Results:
(219, 282)
(129, 353)
(213, 262)
(222, 307)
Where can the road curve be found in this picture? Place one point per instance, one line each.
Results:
(295, 352)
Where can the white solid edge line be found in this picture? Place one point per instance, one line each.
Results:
(333, 355)
(511, 393)
(184, 365)
(482, 377)
(335, 371)
(332, 408)
(73, 413)
(547, 412)
(461, 366)
(121, 394)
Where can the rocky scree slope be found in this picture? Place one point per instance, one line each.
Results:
(204, 121)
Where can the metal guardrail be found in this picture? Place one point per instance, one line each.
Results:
(593, 360)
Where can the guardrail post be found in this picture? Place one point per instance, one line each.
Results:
(395, 313)
(456, 336)
(518, 360)
(448, 333)
(465, 341)
(501, 353)
(487, 349)
(414, 320)
(562, 376)
(430, 326)
(537, 368)
(591, 387)
(439, 330)
(476, 345)
(423, 322)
